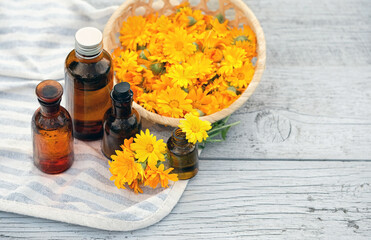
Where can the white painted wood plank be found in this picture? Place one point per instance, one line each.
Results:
(321, 115)
(238, 199)
(314, 99)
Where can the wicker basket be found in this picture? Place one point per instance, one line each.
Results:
(241, 14)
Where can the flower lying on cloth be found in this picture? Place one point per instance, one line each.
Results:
(139, 163)
(186, 62)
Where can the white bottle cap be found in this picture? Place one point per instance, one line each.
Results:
(88, 41)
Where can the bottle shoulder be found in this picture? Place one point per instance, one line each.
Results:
(62, 119)
(91, 70)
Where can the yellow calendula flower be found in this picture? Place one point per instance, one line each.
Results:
(126, 62)
(194, 128)
(243, 38)
(173, 103)
(201, 65)
(156, 175)
(233, 58)
(147, 148)
(242, 76)
(181, 76)
(178, 45)
(124, 169)
(148, 101)
(134, 32)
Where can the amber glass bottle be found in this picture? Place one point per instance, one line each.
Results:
(51, 130)
(121, 121)
(183, 156)
(89, 80)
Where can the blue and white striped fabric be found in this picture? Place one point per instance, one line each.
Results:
(35, 38)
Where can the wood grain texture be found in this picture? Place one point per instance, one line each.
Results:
(314, 99)
(241, 199)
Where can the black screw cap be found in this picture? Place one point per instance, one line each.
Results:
(121, 92)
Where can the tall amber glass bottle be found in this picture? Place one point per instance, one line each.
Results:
(121, 121)
(183, 156)
(89, 80)
(51, 130)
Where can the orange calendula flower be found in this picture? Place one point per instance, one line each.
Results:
(124, 169)
(233, 58)
(134, 32)
(156, 175)
(162, 83)
(200, 100)
(135, 187)
(147, 148)
(126, 145)
(173, 103)
(242, 76)
(178, 45)
(194, 128)
(221, 29)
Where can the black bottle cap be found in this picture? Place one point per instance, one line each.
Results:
(121, 92)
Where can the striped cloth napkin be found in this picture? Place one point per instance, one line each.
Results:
(35, 38)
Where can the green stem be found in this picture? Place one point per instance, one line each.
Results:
(213, 140)
(220, 128)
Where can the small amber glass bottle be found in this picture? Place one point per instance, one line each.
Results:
(183, 156)
(51, 130)
(89, 80)
(121, 121)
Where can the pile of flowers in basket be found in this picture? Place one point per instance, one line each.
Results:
(186, 62)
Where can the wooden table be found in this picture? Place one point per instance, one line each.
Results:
(299, 164)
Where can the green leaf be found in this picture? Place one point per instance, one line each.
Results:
(157, 68)
(192, 21)
(224, 132)
(141, 47)
(142, 55)
(143, 164)
(220, 18)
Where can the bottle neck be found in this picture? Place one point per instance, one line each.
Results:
(122, 110)
(179, 138)
(49, 110)
(89, 59)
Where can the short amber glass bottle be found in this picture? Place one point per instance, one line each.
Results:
(89, 80)
(51, 130)
(183, 156)
(122, 121)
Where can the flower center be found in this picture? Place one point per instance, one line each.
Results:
(195, 128)
(174, 104)
(179, 46)
(149, 148)
(241, 76)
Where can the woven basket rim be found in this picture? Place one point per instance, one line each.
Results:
(259, 69)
